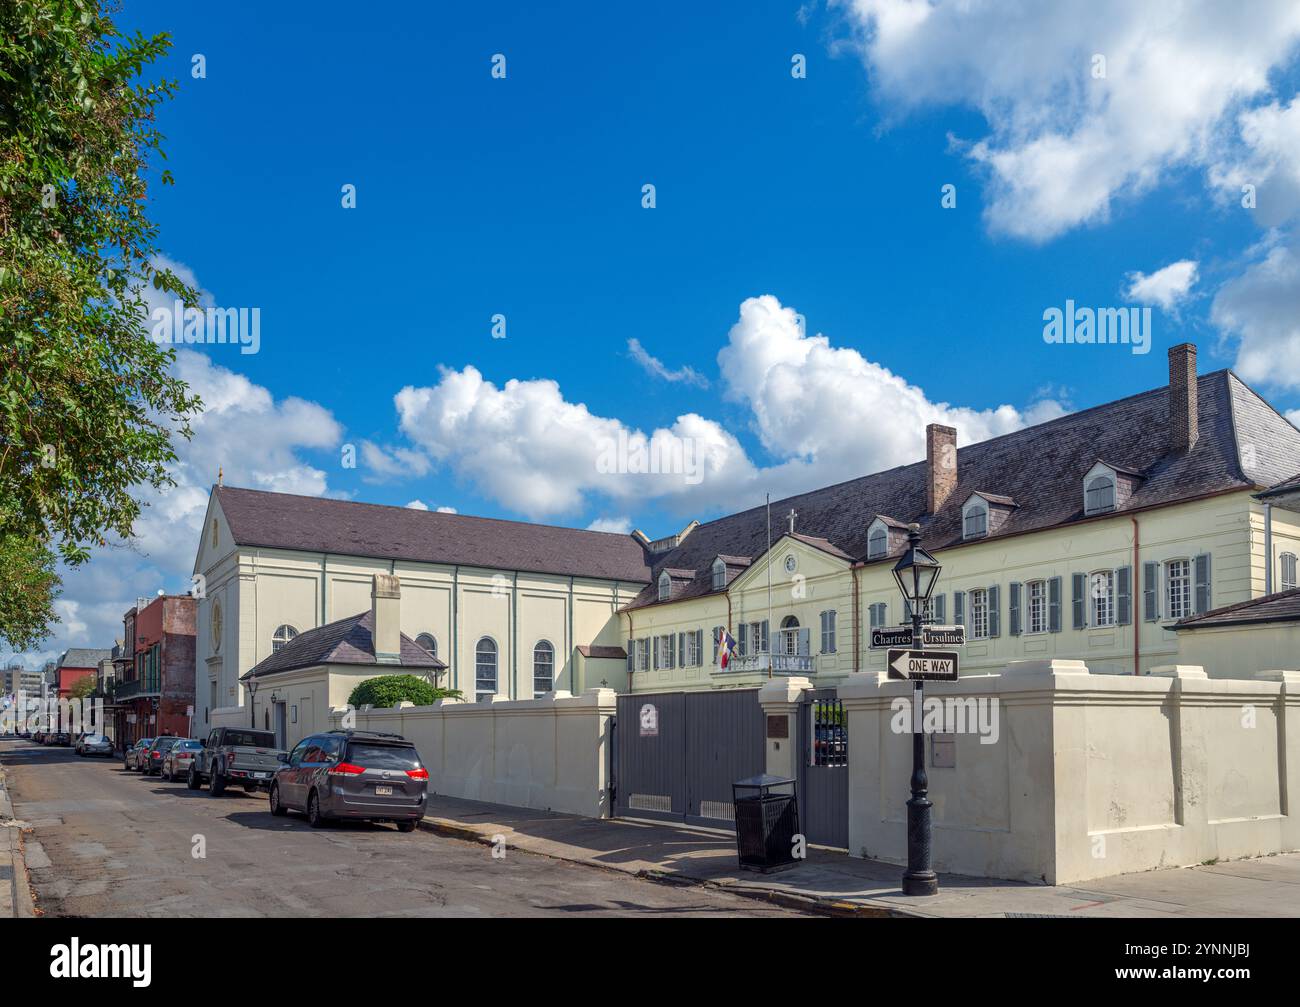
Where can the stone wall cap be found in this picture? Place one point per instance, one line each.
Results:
(1179, 671)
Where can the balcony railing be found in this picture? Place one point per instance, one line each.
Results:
(782, 664)
(134, 687)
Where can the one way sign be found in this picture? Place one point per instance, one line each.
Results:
(927, 665)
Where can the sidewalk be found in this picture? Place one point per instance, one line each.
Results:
(15, 895)
(838, 884)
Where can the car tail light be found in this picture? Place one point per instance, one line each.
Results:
(418, 774)
(346, 769)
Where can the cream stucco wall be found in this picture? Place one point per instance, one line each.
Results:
(1224, 651)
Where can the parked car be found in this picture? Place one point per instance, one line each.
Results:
(38, 736)
(157, 752)
(59, 738)
(176, 763)
(134, 757)
(95, 744)
(352, 774)
(238, 755)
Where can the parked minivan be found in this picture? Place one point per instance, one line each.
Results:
(352, 774)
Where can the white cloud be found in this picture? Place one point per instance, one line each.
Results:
(657, 368)
(1063, 146)
(1259, 307)
(526, 446)
(1294, 416)
(1165, 288)
(1270, 162)
(392, 463)
(619, 525)
(446, 510)
(417, 505)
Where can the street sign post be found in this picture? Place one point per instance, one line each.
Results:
(894, 637)
(923, 665)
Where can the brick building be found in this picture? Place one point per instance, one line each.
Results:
(154, 691)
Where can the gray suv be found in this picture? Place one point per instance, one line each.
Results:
(352, 774)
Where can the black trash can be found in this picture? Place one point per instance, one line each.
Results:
(767, 821)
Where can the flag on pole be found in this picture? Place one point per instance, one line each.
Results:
(726, 650)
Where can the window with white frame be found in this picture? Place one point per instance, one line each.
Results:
(695, 648)
(1178, 589)
(975, 521)
(1099, 495)
(485, 670)
(1288, 570)
(281, 636)
(877, 543)
(1101, 589)
(428, 642)
(665, 651)
(643, 654)
(828, 632)
(665, 586)
(1036, 602)
(719, 575)
(979, 613)
(543, 668)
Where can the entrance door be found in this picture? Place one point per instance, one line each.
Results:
(824, 768)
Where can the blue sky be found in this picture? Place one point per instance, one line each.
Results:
(523, 197)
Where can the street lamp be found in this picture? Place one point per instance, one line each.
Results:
(252, 706)
(916, 573)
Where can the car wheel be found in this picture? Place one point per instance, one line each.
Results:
(277, 808)
(314, 815)
(216, 785)
(192, 781)
(408, 826)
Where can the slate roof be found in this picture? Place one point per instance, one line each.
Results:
(1041, 468)
(599, 651)
(84, 657)
(345, 641)
(1286, 486)
(1284, 606)
(316, 524)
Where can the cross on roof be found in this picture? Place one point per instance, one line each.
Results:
(790, 517)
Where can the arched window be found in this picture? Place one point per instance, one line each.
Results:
(543, 668)
(975, 522)
(1099, 495)
(665, 586)
(282, 636)
(877, 543)
(789, 635)
(1288, 571)
(485, 670)
(719, 575)
(428, 642)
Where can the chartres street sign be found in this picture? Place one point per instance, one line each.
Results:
(926, 665)
(931, 636)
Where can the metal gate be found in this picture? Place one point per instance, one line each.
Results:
(676, 754)
(824, 768)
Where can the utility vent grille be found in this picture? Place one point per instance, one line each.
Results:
(724, 810)
(651, 802)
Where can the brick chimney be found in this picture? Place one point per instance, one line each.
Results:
(385, 615)
(1182, 397)
(940, 465)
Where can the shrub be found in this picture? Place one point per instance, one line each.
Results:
(389, 690)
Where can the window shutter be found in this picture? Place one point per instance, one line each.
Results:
(1124, 596)
(805, 642)
(940, 609)
(1079, 599)
(763, 646)
(717, 642)
(995, 627)
(1202, 564)
(743, 642)
(1054, 605)
(959, 607)
(1013, 610)
(654, 653)
(1150, 586)
(681, 650)
(631, 656)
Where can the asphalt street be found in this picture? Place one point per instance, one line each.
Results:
(106, 842)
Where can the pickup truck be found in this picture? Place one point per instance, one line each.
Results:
(235, 755)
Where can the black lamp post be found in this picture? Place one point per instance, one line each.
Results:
(252, 705)
(917, 572)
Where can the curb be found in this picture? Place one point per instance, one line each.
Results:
(20, 891)
(831, 907)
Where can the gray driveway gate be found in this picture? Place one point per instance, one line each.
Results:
(823, 755)
(676, 754)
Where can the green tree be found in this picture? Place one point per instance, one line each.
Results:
(82, 688)
(389, 690)
(28, 587)
(88, 404)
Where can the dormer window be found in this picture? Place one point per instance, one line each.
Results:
(719, 574)
(975, 519)
(1099, 495)
(665, 586)
(877, 542)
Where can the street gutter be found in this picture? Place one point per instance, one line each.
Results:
(15, 884)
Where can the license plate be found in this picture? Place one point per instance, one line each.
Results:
(261, 776)
(383, 791)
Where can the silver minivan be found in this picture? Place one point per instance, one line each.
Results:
(352, 774)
